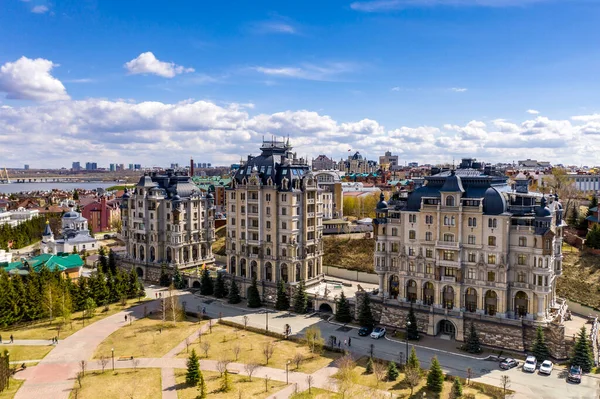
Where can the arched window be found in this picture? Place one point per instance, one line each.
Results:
(453, 221)
(492, 241)
(494, 223)
(428, 236)
(450, 200)
(412, 235)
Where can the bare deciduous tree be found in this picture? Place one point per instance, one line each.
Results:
(245, 322)
(379, 369)
(347, 377)
(250, 368)
(412, 376)
(222, 365)
(236, 351)
(187, 345)
(267, 379)
(79, 378)
(505, 382)
(469, 375)
(297, 359)
(200, 336)
(268, 349)
(82, 367)
(135, 363)
(103, 362)
(309, 381)
(205, 346)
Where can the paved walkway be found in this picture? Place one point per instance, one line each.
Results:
(28, 342)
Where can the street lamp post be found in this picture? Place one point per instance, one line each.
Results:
(267, 314)
(113, 358)
(8, 364)
(407, 326)
(286, 371)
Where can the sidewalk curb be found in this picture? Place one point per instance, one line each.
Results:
(440, 350)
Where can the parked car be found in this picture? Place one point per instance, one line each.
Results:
(364, 331)
(574, 374)
(546, 367)
(378, 332)
(530, 364)
(508, 363)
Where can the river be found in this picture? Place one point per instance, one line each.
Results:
(28, 187)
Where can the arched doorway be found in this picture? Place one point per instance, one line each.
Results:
(428, 293)
(298, 272)
(471, 300)
(140, 272)
(253, 269)
(268, 271)
(411, 291)
(134, 252)
(325, 308)
(152, 254)
(491, 303)
(521, 304)
(445, 327)
(284, 272)
(186, 254)
(310, 269)
(196, 284)
(195, 252)
(394, 288)
(169, 255)
(142, 253)
(232, 265)
(448, 297)
(243, 267)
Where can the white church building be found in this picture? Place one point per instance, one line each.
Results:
(75, 236)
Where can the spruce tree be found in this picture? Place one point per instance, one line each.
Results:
(540, 349)
(206, 283)
(435, 377)
(225, 382)
(178, 280)
(582, 353)
(193, 369)
(457, 389)
(220, 290)
(593, 204)
(369, 368)
(412, 329)
(112, 261)
(365, 316)
(343, 314)
(133, 284)
(572, 216)
(202, 391)
(165, 280)
(99, 288)
(300, 298)
(283, 301)
(473, 345)
(234, 293)
(392, 371)
(253, 295)
(413, 360)
(103, 260)
(592, 239)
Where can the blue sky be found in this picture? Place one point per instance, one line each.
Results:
(417, 64)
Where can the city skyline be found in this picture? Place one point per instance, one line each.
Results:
(428, 80)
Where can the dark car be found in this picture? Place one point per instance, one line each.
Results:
(508, 364)
(574, 374)
(365, 331)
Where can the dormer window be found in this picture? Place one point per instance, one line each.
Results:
(450, 200)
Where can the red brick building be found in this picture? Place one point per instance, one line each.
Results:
(100, 213)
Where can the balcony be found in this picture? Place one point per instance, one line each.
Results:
(449, 279)
(523, 229)
(516, 284)
(252, 200)
(310, 214)
(310, 228)
(310, 201)
(448, 245)
(449, 263)
(541, 289)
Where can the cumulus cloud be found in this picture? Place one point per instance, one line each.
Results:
(40, 9)
(147, 63)
(30, 79)
(533, 111)
(390, 5)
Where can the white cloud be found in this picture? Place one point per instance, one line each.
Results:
(396, 88)
(39, 9)
(391, 5)
(30, 79)
(147, 63)
(533, 111)
(459, 89)
(275, 27)
(329, 71)
(81, 80)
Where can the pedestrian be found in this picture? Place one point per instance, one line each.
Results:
(11, 339)
(339, 344)
(0, 339)
(204, 310)
(345, 342)
(125, 318)
(349, 341)
(56, 339)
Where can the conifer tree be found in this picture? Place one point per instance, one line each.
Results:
(457, 389)
(225, 382)
(7, 300)
(473, 344)
(369, 368)
(220, 290)
(572, 216)
(582, 353)
(99, 288)
(435, 377)
(206, 283)
(343, 314)
(540, 349)
(178, 280)
(234, 293)
(112, 261)
(133, 288)
(165, 279)
(283, 301)
(253, 295)
(193, 369)
(365, 316)
(202, 391)
(413, 360)
(300, 298)
(592, 239)
(412, 329)
(593, 204)
(103, 260)
(392, 371)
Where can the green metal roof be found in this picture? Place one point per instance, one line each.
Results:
(52, 262)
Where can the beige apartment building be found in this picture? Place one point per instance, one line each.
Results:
(467, 245)
(275, 211)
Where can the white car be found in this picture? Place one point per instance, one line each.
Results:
(530, 364)
(546, 367)
(378, 332)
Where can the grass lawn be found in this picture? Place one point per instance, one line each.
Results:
(22, 352)
(581, 275)
(367, 384)
(126, 383)
(47, 330)
(144, 339)
(315, 393)
(224, 338)
(242, 388)
(349, 253)
(12, 390)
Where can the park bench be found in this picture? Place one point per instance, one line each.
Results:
(124, 358)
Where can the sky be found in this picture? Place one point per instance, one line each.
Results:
(160, 82)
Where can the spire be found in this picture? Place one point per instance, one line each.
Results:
(47, 229)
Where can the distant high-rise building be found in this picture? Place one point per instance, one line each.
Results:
(130, 166)
(204, 165)
(413, 164)
(91, 166)
(137, 166)
(388, 160)
(112, 167)
(209, 165)
(174, 165)
(26, 167)
(76, 166)
(121, 166)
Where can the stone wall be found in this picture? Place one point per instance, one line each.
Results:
(496, 334)
(559, 345)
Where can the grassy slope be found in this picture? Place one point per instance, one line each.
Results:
(580, 281)
(349, 253)
(218, 246)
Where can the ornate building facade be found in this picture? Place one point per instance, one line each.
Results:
(468, 245)
(166, 220)
(274, 218)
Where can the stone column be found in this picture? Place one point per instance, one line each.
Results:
(540, 303)
(381, 282)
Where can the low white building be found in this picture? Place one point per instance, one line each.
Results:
(21, 215)
(6, 219)
(5, 257)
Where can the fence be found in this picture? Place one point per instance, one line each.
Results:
(354, 275)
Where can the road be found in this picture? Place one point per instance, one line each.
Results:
(524, 384)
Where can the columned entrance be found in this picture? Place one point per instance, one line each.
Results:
(446, 328)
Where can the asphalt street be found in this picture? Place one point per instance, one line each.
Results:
(525, 385)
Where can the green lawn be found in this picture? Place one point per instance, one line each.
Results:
(12, 390)
(126, 383)
(22, 352)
